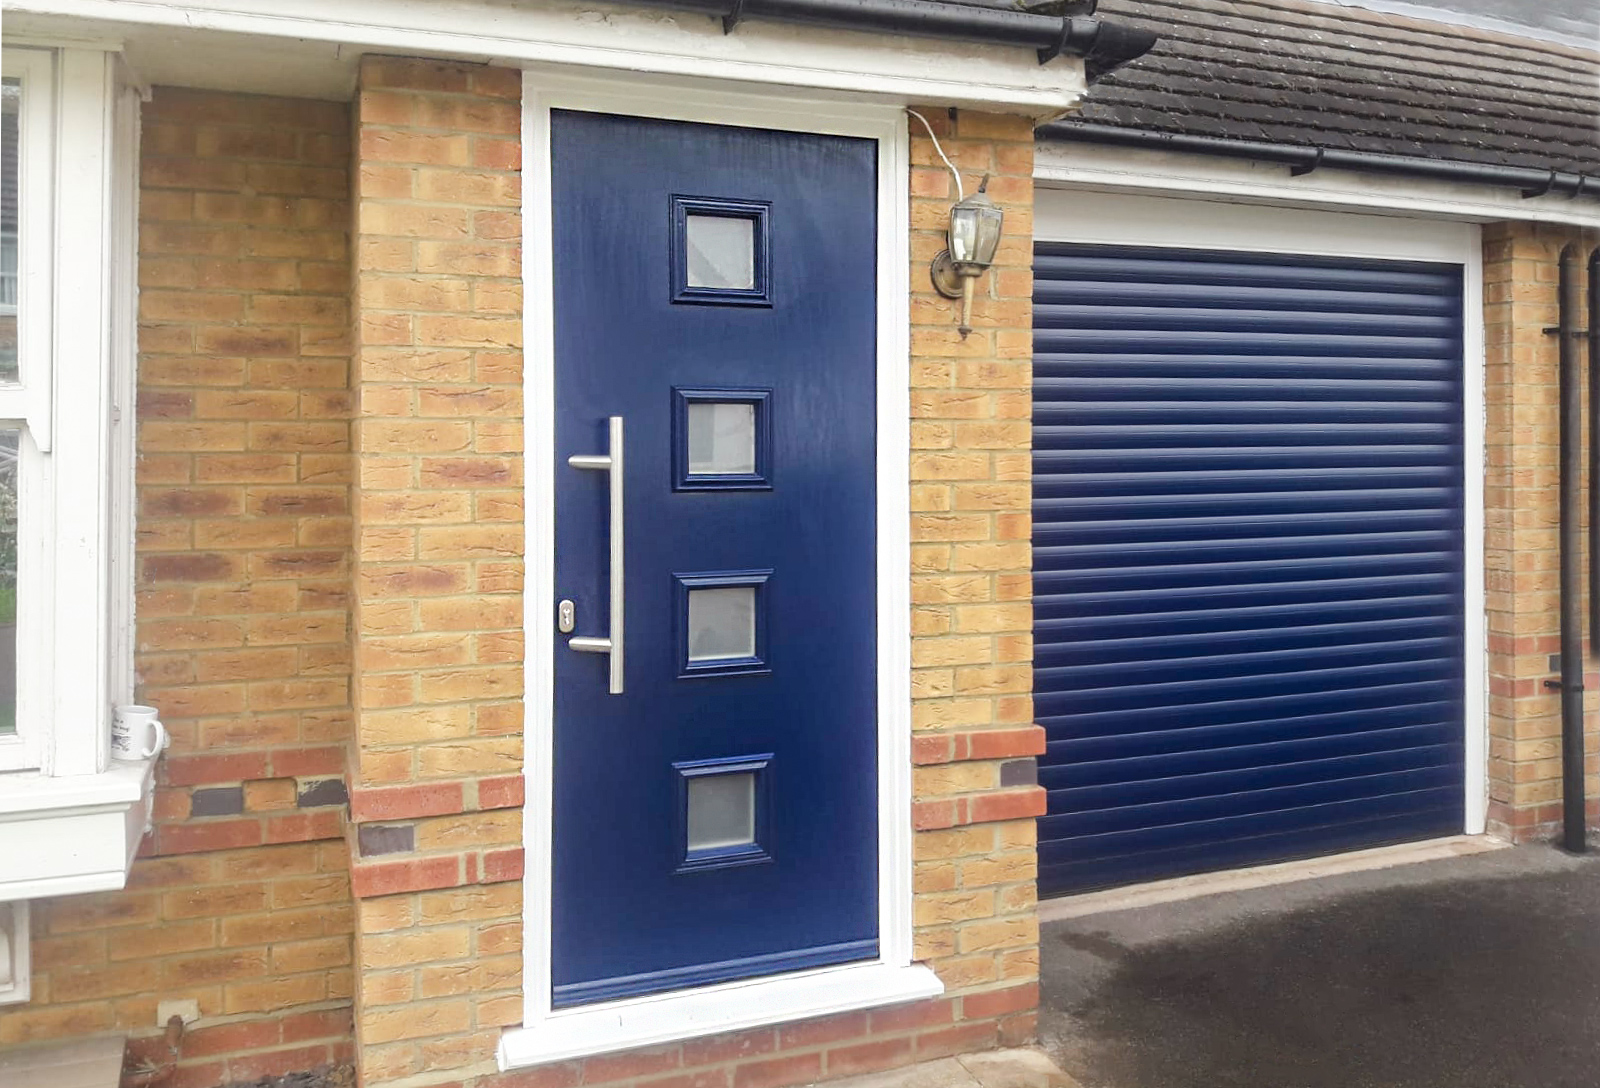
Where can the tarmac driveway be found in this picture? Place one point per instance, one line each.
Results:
(1472, 972)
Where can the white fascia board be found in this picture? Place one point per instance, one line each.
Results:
(891, 68)
(67, 835)
(1069, 164)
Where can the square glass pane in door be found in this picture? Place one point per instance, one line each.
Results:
(722, 811)
(721, 252)
(722, 623)
(722, 438)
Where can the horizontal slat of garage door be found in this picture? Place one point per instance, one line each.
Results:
(1247, 558)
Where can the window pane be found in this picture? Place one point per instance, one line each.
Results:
(722, 438)
(8, 579)
(10, 113)
(722, 810)
(722, 623)
(722, 252)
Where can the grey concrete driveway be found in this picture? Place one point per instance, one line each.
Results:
(1473, 972)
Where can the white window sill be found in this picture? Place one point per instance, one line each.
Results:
(77, 833)
(711, 1010)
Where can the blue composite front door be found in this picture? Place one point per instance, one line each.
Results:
(716, 817)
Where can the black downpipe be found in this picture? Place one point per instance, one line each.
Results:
(1102, 45)
(1302, 159)
(1592, 324)
(1573, 834)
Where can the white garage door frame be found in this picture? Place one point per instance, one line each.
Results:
(1120, 219)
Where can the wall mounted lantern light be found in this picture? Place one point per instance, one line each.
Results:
(971, 240)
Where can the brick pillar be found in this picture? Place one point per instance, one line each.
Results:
(1522, 550)
(972, 618)
(436, 766)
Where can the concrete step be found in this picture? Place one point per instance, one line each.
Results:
(1020, 1068)
(81, 1063)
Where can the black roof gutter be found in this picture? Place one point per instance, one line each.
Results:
(1303, 159)
(1103, 46)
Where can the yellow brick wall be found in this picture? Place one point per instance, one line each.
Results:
(437, 617)
(279, 543)
(240, 900)
(437, 752)
(1522, 550)
(971, 587)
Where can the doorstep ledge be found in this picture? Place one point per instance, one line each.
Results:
(712, 1010)
(72, 834)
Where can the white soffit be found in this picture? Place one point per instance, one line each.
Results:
(1069, 164)
(216, 60)
(309, 48)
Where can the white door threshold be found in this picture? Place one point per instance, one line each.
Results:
(1262, 876)
(711, 1010)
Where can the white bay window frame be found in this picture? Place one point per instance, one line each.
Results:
(71, 817)
(27, 403)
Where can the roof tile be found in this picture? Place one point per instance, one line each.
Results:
(1302, 72)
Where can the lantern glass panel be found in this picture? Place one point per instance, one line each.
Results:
(974, 231)
(988, 240)
(963, 233)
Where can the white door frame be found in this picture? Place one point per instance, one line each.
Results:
(1224, 222)
(550, 1034)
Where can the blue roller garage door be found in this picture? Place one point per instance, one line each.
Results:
(1248, 558)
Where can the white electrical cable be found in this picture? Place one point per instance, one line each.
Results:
(960, 193)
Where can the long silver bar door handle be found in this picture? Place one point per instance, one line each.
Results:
(610, 463)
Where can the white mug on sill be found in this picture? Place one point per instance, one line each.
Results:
(136, 732)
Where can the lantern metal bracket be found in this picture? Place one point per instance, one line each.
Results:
(946, 280)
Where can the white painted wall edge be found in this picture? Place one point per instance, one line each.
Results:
(732, 1006)
(894, 68)
(1064, 164)
(1160, 220)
